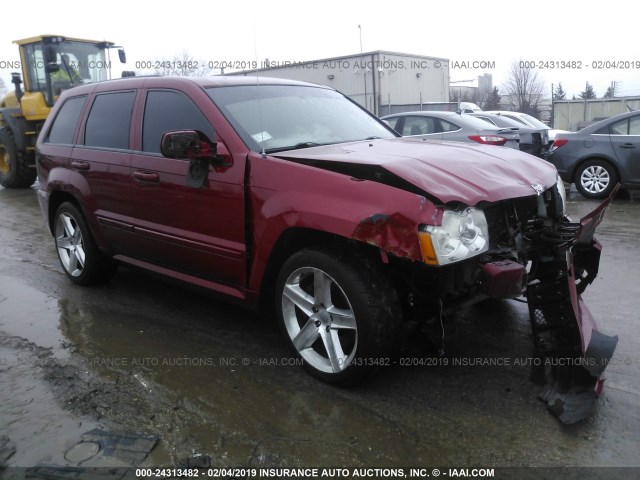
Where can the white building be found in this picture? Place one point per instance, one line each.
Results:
(383, 82)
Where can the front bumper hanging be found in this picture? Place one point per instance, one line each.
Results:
(566, 261)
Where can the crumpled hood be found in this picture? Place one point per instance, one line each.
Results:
(449, 171)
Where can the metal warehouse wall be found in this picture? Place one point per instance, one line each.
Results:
(568, 114)
(376, 80)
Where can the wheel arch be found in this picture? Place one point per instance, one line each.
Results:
(56, 199)
(295, 239)
(592, 158)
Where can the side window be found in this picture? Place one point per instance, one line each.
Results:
(418, 126)
(169, 110)
(64, 125)
(634, 126)
(392, 122)
(448, 126)
(620, 128)
(109, 120)
(35, 68)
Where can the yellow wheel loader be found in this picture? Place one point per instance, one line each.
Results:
(49, 64)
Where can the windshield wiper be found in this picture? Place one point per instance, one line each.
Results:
(297, 146)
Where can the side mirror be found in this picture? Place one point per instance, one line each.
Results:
(49, 54)
(122, 56)
(190, 144)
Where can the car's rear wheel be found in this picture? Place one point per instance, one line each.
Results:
(596, 179)
(78, 253)
(339, 314)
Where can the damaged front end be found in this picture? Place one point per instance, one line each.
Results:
(565, 259)
(507, 249)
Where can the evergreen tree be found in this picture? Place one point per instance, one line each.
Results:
(493, 101)
(611, 91)
(588, 92)
(559, 94)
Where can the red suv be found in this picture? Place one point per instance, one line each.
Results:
(289, 195)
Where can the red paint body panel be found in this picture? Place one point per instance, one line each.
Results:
(286, 194)
(450, 171)
(503, 279)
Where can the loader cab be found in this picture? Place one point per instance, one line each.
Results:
(52, 64)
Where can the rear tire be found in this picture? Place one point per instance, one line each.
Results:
(14, 170)
(78, 253)
(596, 179)
(339, 314)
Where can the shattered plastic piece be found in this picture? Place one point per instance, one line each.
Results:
(571, 407)
(599, 352)
(131, 447)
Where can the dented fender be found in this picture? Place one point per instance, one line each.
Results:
(286, 195)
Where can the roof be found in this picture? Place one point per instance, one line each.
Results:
(175, 82)
(40, 38)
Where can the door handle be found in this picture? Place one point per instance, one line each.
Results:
(627, 145)
(146, 176)
(80, 165)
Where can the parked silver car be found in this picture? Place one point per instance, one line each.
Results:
(528, 121)
(532, 140)
(451, 126)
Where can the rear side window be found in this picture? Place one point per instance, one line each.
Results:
(170, 110)
(418, 126)
(109, 120)
(64, 125)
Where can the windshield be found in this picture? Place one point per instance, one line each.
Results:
(475, 122)
(284, 117)
(78, 63)
(82, 62)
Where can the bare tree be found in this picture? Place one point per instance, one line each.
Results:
(3, 87)
(183, 66)
(525, 88)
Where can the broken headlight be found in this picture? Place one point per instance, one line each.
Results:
(463, 234)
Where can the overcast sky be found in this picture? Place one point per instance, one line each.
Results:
(462, 31)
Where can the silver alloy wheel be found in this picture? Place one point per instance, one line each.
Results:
(319, 320)
(70, 244)
(595, 179)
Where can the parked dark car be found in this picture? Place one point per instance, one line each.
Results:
(532, 140)
(451, 126)
(599, 156)
(290, 197)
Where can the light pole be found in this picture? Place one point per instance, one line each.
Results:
(365, 69)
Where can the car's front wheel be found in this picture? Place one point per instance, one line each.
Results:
(339, 314)
(78, 253)
(596, 179)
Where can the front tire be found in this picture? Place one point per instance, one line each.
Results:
(14, 170)
(596, 179)
(339, 314)
(78, 253)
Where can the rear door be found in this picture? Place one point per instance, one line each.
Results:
(625, 139)
(100, 165)
(199, 232)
